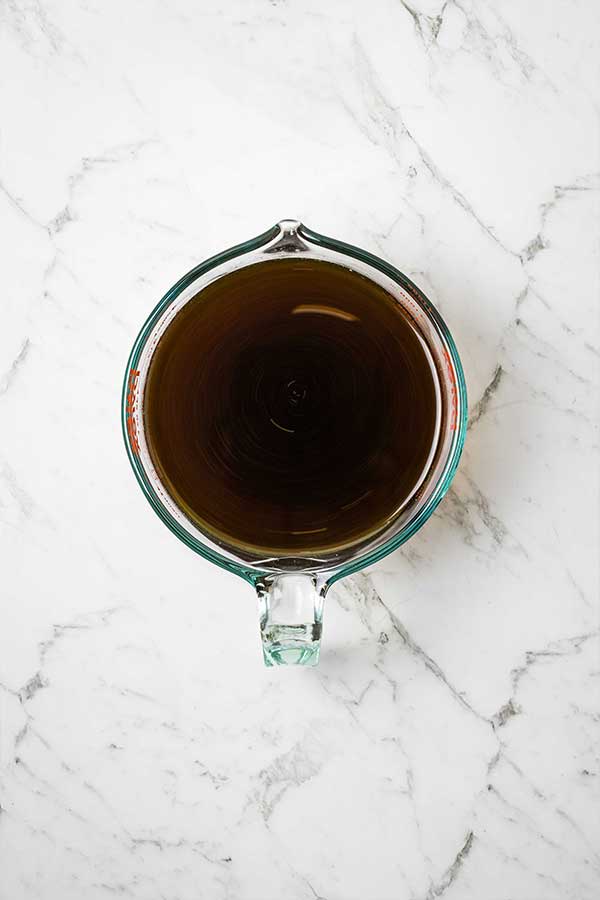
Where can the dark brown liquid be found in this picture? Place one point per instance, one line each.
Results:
(291, 407)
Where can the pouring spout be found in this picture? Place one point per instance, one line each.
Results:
(289, 238)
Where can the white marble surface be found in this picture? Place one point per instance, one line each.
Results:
(447, 744)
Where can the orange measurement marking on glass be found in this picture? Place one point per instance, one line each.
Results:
(131, 405)
(453, 393)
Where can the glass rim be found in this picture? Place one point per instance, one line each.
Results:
(369, 557)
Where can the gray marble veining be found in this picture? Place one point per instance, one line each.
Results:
(447, 745)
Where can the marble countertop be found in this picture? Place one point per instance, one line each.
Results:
(446, 746)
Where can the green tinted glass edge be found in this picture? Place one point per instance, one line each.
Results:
(461, 426)
(253, 575)
(134, 356)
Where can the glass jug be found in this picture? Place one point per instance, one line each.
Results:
(291, 590)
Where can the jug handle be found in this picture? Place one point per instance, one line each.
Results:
(291, 614)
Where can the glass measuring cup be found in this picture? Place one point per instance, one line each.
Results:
(291, 589)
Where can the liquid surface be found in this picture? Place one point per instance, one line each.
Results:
(291, 407)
